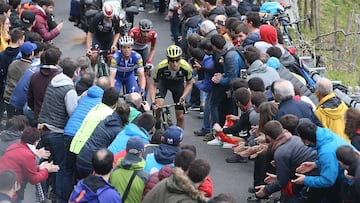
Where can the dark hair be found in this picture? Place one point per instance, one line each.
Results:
(198, 170)
(229, 22)
(242, 95)
(222, 198)
(267, 111)
(218, 41)
(16, 35)
(30, 135)
(189, 10)
(253, 17)
(241, 27)
(307, 131)
(211, 2)
(14, 3)
(198, 54)
(52, 56)
(194, 40)
(273, 129)
(184, 158)
(102, 161)
(239, 82)
(346, 154)
(4, 8)
(40, 47)
(146, 121)
(17, 123)
(352, 122)
(33, 37)
(226, 2)
(46, 3)
(69, 66)
(189, 147)
(110, 96)
(156, 137)
(86, 81)
(252, 54)
(8, 179)
(123, 110)
(257, 98)
(205, 44)
(289, 122)
(274, 51)
(256, 84)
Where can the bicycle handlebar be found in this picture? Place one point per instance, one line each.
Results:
(169, 105)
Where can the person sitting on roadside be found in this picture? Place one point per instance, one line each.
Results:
(12, 132)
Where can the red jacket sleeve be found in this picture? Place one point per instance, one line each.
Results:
(31, 170)
(207, 187)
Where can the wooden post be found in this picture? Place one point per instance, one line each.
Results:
(305, 10)
(355, 48)
(344, 47)
(335, 62)
(317, 17)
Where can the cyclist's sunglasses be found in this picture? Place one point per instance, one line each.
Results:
(174, 60)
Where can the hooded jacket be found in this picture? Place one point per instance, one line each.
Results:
(129, 131)
(59, 103)
(218, 10)
(102, 136)
(86, 103)
(330, 111)
(6, 57)
(232, 64)
(163, 155)
(41, 25)
(7, 138)
(189, 26)
(120, 177)
(96, 189)
(326, 144)
(261, 70)
(176, 188)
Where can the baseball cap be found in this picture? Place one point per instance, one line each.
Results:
(27, 48)
(173, 135)
(301, 121)
(27, 17)
(135, 145)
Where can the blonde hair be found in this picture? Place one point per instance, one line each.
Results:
(3, 32)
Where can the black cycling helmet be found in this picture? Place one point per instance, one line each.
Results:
(145, 25)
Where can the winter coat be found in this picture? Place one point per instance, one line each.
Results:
(86, 103)
(6, 57)
(129, 131)
(208, 66)
(326, 144)
(41, 25)
(331, 110)
(92, 119)
(298, 108)
(176, 188)
(156, 177)
(7, 138)
(354, 170)
(20, 159)
(18, 97)
(231, 11)
(261, 70)
(95, 187)
(120, 177)
(164, 155)
(355, 140)
(102, 136)
(232, 64)
(251, 39)
(218, 10)
(189, 26)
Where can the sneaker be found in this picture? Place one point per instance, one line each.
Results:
(153, 11)
(208, 137)
(227, 145)
(236, 159)
(200, 132)
(166, 18)
(141, 9)
(214, 142)
(194, 108)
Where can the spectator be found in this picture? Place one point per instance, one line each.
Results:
(330, 110)
(349, 160)
(60, 101)
(210, 5)
(222, 198)
(129, 178)
(20, 157)
(85, 82)
(97, 185)
(165, 154)
(179, 186)
(103, 135)
(12, 132)
(207, 29)
(42, 10)
(253, 22)
(352, 126)
(241, 32)
(230, 10)
(284, 93)
(8, 186)
(289, 122)
(4, 32)
(14, 16)
(137, 105)
(28, 22)
(220, 27)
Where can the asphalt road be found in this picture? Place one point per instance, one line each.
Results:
(227, 178)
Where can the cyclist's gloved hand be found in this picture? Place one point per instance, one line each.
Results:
(113, 48)
(89, 52)
(154, 106)
(182, 101)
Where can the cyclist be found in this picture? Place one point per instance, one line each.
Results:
(170, 74)
(124, 63)
(143, 35)
(103, 34)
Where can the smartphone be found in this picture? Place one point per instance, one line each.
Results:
(243, 73)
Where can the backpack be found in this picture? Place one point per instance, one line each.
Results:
(87, 193)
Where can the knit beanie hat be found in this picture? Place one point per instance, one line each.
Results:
(30, 135)
(268, 34)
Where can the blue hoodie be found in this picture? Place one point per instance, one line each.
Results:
(326, 144)
(164, 155)
(208, 66)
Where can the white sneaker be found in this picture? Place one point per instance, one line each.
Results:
(214, 142)
(153, 11)
(141, 9)
(227, 145)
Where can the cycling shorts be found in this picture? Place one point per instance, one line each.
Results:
(176, 88)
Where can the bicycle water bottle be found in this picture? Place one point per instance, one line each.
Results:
(287, 41)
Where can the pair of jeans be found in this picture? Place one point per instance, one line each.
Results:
(29, 114)
(217, 97)
(206, 120)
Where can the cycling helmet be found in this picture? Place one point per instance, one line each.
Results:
(173, 51)
(108, 10)
(126, 40)
(145, 25)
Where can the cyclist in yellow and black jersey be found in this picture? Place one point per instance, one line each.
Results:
(170, 74)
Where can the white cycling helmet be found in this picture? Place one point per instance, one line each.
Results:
(126, 40)
(108, 10)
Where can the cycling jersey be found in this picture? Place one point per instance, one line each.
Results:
(162, 71)
(139, 42)
(104, 32)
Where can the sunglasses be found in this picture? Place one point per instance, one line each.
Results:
(174, 60)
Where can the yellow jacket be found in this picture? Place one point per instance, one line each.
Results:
(331, 112)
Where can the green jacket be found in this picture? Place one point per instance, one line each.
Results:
(92, 119)
(121, 175)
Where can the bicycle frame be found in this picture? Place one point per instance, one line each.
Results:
(165, 116)
(103, 68)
